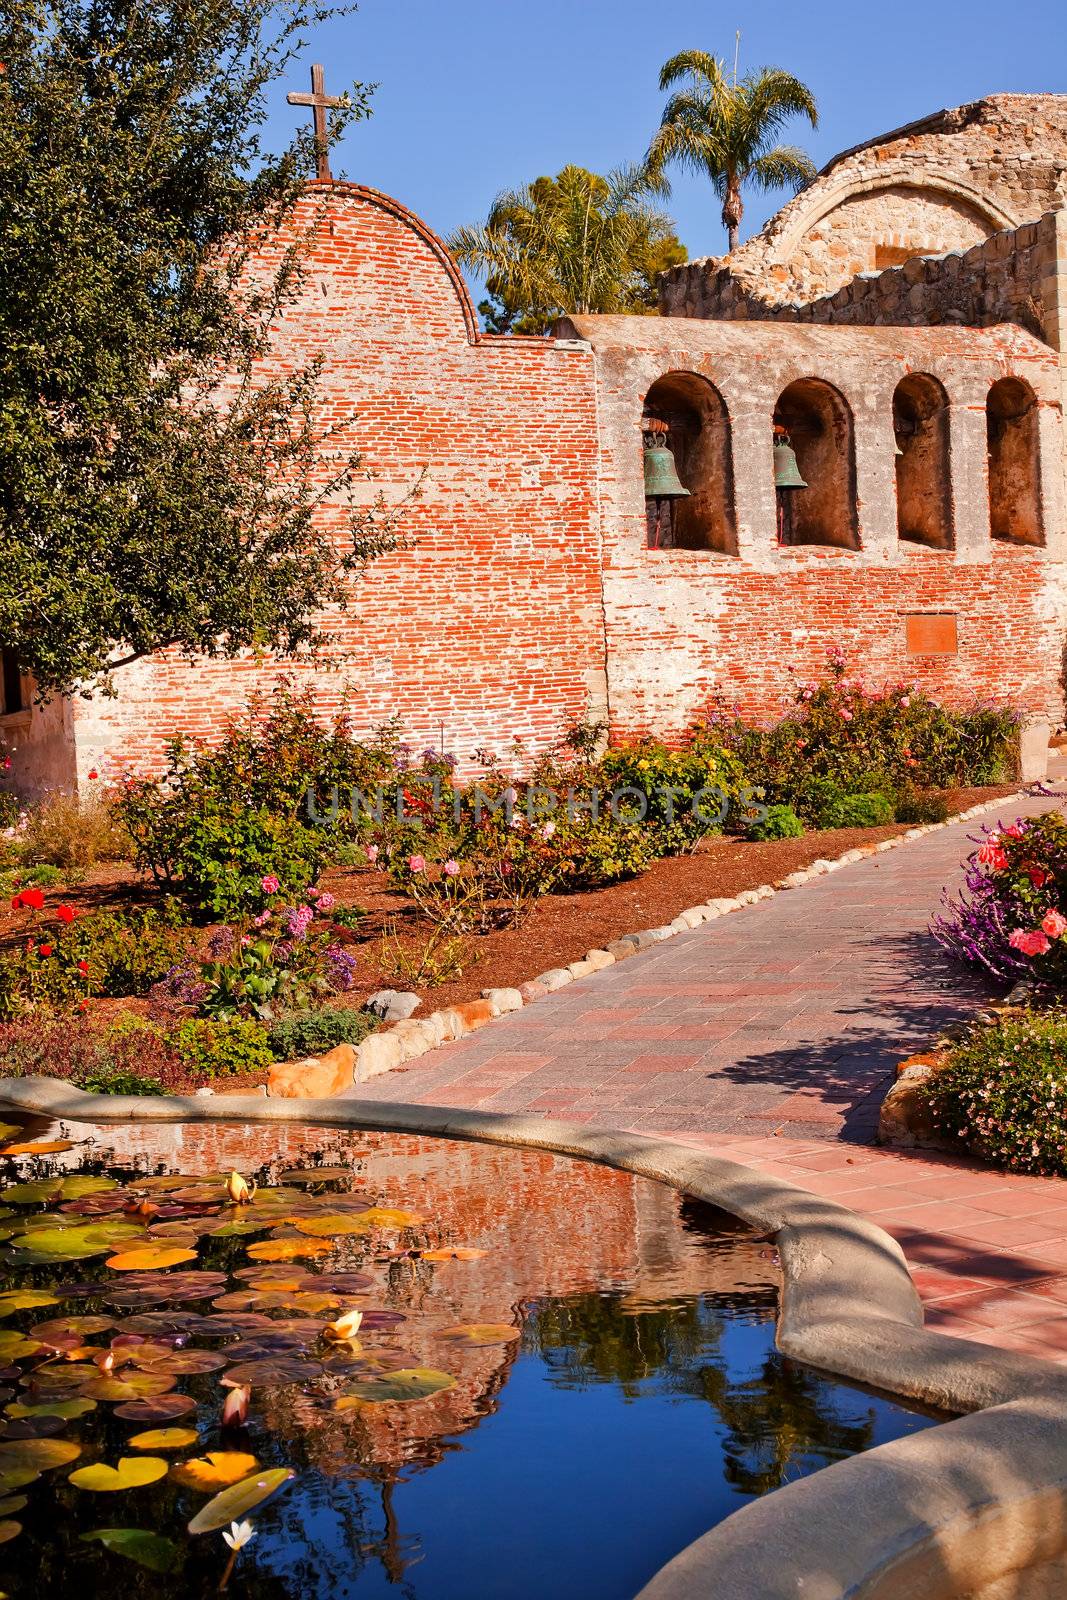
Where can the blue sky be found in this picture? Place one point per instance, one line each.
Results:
(480, 95)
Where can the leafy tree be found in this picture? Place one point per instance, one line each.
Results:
(159, 480)
(578, 242)
(724, 128)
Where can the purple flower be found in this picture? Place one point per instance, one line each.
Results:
(340, 966)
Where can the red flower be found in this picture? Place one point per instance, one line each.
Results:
(45, 949)
(93, 773)
(16, 902)
(83, 968)
(1039, 877)
(66, 913)
(29, 899)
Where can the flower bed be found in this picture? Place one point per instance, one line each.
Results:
(295, 868)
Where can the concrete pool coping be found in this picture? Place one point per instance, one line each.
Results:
(848, 1307)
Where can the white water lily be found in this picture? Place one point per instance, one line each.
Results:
(238, 1190)
(346, 1326)
(238, 1535)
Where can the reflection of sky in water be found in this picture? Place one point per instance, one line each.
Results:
(645, 1403)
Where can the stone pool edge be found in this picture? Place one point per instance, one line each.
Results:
(848, 1307)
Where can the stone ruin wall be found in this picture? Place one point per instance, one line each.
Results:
(947, 183)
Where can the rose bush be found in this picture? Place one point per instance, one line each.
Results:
(1011, 917)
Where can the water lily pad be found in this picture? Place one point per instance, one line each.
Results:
(183, 1362)
(273, 1371)
(14, 1345)
(13, 1504)
(37, 1191)
(156, 1324)
(75, 1243)
(150, 1258)
(40, 1455)
(38, 1147)
(237, 1501)
(96, 1205)
(16, 1477)
(9, 1530)
(149, 1550)
(132, 1385)
(32, 1427)
(216, 1470)
(288, 1249)
(454, 1253)
(164, 1439)
(132, 1472)
(409, 1383)
(385, 1217)
(68, 1409)
(478, 1333)
(25, 1300)
(161, 1408)
(238, 1230)
(343, 1282)
(8, 1128)
(300, 1175)
(336, 1227)
(142, 1289)
(80, 1326)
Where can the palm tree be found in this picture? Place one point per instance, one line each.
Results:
(715, 124)
(578, 242)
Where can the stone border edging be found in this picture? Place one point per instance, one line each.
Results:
(393, 1047)
(848, 1307)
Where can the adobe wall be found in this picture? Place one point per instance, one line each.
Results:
(490, 626)
(687, 625)
(945, 183)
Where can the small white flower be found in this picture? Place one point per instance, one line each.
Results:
(238, 1535)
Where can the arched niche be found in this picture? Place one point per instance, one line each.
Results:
(817, 419)
(693, 414)
(1014, 462)
(924, 483)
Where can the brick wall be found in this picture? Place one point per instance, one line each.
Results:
(490, 627)
(685, 626)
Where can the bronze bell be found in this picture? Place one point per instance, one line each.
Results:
(661, 474)
(786, 471)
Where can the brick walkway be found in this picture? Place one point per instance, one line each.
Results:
(771, 1036)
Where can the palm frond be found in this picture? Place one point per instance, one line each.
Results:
(698, 64)
(784, 167)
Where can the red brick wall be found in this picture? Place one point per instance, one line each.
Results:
(491, 626)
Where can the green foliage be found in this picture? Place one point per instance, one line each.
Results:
(104, 953)
(128, 1057)
(144, 505)
(685, 794)
(310, 1033)
(780, 822)
(288, 964)
(1003, 1093)
(845, 739)
(862, 811)
(574, 243)
(213, 1049)
(44, 876)
(725, 129)
(108, 1079)
(916, 807)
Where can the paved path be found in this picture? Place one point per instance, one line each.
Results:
(771, 1036)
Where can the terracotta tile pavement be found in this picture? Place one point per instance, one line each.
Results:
(770, 1037)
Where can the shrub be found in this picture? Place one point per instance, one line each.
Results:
(39, 877)
(310, 1033)
(103, 953)
(1003, 1093)
(682, 794)
(208, 1048)
(916, 807)
(780, 822)
(290, 962)
(72, 832)
(1011, 917)
(10, 809)
(130, 1057)
(864, 811)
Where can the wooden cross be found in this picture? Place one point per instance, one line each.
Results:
(320, 102)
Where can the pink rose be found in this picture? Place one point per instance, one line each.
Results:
(905, 700)
(846, 716)
(452, 871)
(270, 884)
(264, 916)
(1029, 944)
(372, 853)
(991, 855)
(1054, 924)
(1014, 832)
(416, 863)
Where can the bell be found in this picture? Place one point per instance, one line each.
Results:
(786, 471)
(661, 475)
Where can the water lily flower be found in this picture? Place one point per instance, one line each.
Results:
(346, 1326)
(238, 1535)
(235, 1406)
(238, 1190)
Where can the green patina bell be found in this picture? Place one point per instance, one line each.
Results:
(786, 471)
(661, 474)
